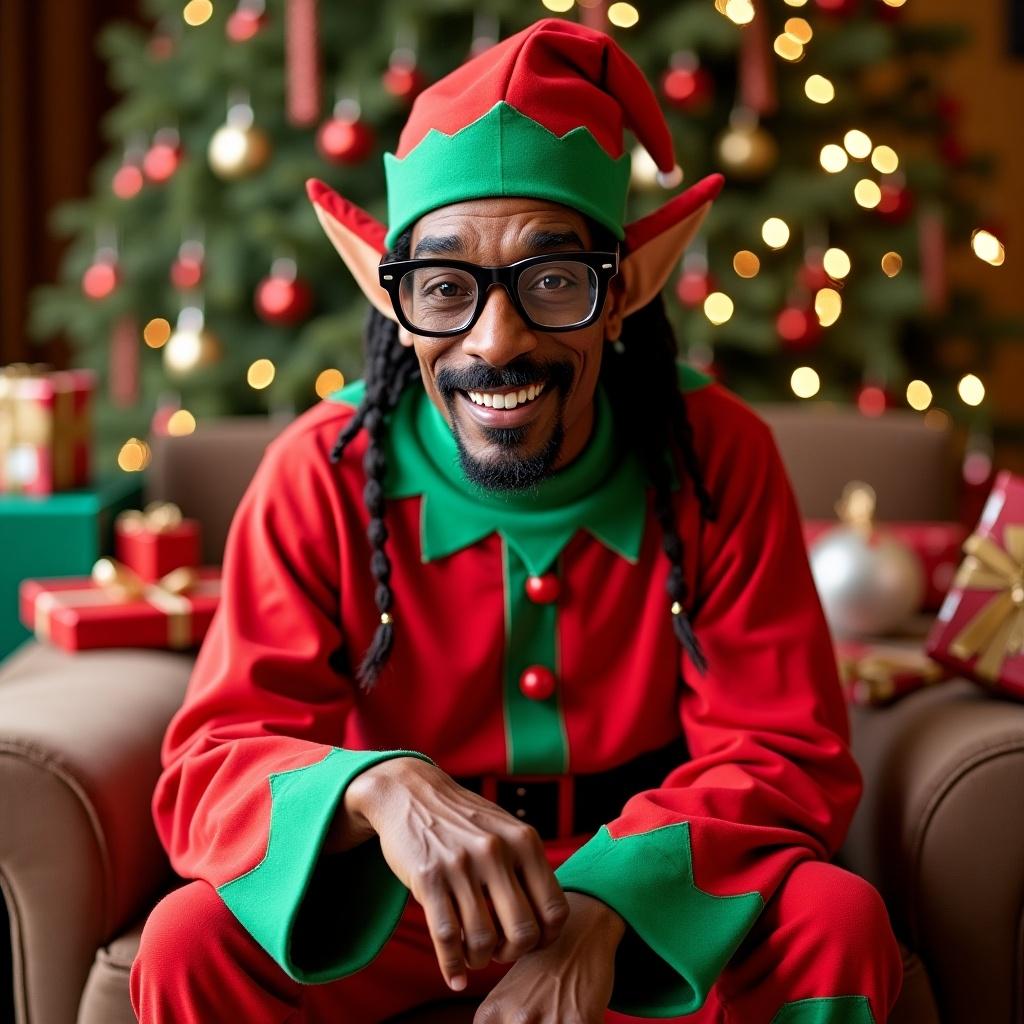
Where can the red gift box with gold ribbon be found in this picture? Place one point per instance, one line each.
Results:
(157, 540)
(115, 607)
(45, 428)
(875, 673)
(979, 630)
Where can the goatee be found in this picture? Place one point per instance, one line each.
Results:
(509, 470)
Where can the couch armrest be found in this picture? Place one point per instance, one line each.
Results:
(941, 834)
(80, 742)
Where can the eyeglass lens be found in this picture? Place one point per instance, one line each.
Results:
(557, 294)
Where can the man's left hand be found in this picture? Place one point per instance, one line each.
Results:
(567, 982)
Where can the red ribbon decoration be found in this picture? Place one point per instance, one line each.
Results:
(302, 62)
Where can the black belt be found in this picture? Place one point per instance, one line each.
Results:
(558, 806)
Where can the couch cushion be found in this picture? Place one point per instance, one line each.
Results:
(206, 472)
(916, 1003)
(824, 445)
(105, 999)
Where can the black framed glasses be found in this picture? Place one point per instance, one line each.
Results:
(560, 291)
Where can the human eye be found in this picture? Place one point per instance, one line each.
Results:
(553, 282)
(441, 285)
(444, 289)
(558, 277)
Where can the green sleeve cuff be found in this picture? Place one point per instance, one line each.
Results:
(829, 1010)
(677, 938)
(320, 918)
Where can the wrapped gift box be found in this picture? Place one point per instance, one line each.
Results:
(877, 674)
(979, 630)
(45, 429)
(157, 540)
(81, 613)
(937, 544)
(56, 535)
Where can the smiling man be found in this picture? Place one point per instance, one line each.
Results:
(519, 405)
(520, 625)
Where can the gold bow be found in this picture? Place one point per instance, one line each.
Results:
(116, 583)
(157, 517)
(874, 675)
(996, 631)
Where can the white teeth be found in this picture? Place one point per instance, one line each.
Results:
(502, 401)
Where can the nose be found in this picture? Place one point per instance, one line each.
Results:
(501, 334)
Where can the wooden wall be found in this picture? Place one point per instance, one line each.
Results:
(52, 94)
(988, 80)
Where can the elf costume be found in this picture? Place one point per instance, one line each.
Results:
(534, 657)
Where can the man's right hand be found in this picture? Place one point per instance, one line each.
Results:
(461, 856)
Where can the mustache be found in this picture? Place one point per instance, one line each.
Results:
(515, 375)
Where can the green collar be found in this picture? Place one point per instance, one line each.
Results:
(603, 490)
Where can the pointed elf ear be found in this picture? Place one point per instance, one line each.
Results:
(655, 244)
(358, 237)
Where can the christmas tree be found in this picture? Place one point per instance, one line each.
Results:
(198, 282)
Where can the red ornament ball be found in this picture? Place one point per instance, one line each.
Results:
(280, 300)
(838, 8)
(895, 204)
(873, 400)
(798, 328)
(162, 159)
(686, 88)
(537, 682)
(404, 81)
(344, 141)
(99, 280)
(694, 286)
(186, 273)
(243, 24)
(127, 181)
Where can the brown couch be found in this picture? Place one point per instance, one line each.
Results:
(939, 831)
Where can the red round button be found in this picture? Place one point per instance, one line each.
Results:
(543, 589)
(537, 682)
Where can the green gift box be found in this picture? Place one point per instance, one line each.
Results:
(56, 535)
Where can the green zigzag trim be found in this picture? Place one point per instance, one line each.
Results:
(678, 937)
(835, 1010)
(506, 153)
(319, 921)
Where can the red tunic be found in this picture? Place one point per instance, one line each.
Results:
(273, 727)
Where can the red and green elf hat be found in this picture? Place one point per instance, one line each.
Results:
(540, 114)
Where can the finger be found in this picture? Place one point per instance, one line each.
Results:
(480, 934)
(446, 935)
(520, 931)
(542, 888)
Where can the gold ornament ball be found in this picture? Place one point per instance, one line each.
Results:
(643, 171)
(236, 152)
(191, 350)
(748, 152)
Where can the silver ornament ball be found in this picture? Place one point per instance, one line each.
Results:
(869, 584)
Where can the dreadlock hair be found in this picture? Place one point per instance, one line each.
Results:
(638, 372)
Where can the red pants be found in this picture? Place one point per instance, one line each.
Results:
(825, 933)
